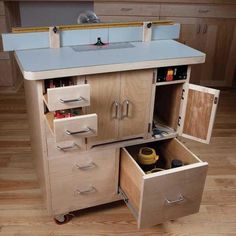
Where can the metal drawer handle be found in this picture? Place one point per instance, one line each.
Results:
(126, 9)
(117, 105)
(63, 149)
(87, 130)
(91, 189)
(126, 102)
(80, 99)
(205, 29)
(203, 11)
(178, 200)
(91, 165)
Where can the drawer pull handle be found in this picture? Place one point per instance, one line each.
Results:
(205, 29)
(117, 105)
(126, 102)
(87, 130)
(126, 9)
(80, 99)
(91, 189)
(203, 11)
(63, 149)
(178, 200)
(91, 165)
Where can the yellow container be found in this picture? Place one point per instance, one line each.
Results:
(147, 156)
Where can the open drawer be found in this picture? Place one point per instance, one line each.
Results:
(72, 128)
(167, 194)
(61, 98)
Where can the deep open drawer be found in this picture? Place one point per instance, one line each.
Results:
(72, 128)
(61, 98)
(165, 195)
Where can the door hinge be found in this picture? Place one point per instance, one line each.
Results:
(215, 100)
(149, 127)
(179, 119)
(182, 96)
(154, 77)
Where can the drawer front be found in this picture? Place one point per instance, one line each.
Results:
(76, 188)
(84, 164)
(126, 9)
(192, 10)
(68, 97)
(61, 149)
(165, 195)
(74, 128)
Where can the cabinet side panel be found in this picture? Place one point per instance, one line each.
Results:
(34, 102)
(130, 179)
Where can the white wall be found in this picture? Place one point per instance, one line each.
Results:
(51, 13)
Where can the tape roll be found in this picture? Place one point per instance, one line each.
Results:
(147, 156)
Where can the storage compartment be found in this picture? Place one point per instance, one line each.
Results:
(64, 93)
(167, 194)
(72, 128)
(167, 109)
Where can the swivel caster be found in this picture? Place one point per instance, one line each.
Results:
(62, 219)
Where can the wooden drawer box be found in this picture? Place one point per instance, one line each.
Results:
(195, 10)
(126, 9)
(164, 195)
(67, 97)
(83, 181)
(72, 128)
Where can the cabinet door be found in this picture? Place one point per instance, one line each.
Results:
(199, 112)
(104, 101)
(135, 99)
(220, 48)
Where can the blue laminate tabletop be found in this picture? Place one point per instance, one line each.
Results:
(41, 60)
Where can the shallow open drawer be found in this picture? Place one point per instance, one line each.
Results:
(72, 128)
(164, 195)
(61, 98)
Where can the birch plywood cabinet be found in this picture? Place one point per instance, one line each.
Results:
(87, 168)
(89, 120)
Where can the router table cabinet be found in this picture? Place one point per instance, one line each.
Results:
(91, 110)
(96, 163)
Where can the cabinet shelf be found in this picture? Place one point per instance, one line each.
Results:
(171, 82)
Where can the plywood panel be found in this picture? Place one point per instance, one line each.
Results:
(131, 179)
(136, 94)
(200, 113)
(6, 73)
(167, 104)
(126, 9)
(105, 91)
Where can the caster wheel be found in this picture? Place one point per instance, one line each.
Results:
(62, 219)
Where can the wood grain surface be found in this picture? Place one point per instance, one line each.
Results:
(21, 205)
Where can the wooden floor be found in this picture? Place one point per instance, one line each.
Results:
(21, 208)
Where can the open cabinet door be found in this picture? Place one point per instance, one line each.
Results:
(199, 112)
